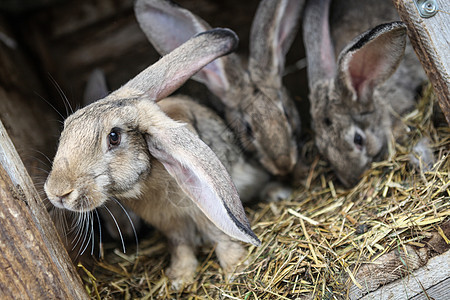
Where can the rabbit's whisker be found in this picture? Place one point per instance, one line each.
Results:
(99, 233)
(118, 227)
(43, 154)
(43, 170)
(131, 223)
(92, 233)
(62, 95)
(52, 106)
(59, 219)
(89, 232)
(65, 225)
(80, 229)
(35, 158)
(85, 232)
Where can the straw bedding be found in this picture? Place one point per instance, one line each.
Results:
(324, 242)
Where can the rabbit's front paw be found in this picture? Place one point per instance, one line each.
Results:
(230, 254)
(182, 268)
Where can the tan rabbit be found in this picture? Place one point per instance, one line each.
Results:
(356, 101)
(119, 221)
(256, 104)
(126, 147)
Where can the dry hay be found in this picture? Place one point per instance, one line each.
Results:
(314, 243)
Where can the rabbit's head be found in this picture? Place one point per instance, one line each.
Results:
(350, 118)
(99, 156)
(257, 106)
(107, 148)
(348, 136)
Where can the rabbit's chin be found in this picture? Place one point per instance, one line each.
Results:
(350, 176)
(80, 204)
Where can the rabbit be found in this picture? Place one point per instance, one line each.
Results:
(127, 147)
(256, 104)
(356, 101)
(119, 221)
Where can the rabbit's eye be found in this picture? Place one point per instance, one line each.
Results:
(248, 128)
(327, 122)
(358, 140)
(114, 138)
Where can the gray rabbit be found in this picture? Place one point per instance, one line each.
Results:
(257, 106)
(358, 98)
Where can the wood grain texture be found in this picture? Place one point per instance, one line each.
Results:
(33, 261)
(433, 278)
(437, 291)
(430, 38)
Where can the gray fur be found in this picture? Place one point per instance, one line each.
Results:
(257, 106)
(356, 99)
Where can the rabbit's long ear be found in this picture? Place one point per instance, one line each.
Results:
(172, 70)
(196, 169)
(96, 87)
(272, 33)
(168, 25)
(321, 63)
(370, 59)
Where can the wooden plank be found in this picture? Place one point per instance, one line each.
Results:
(430, 38)
(438, 291)
(432, 278)
(33, 261)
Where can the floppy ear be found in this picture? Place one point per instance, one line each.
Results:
(96, 87)
(196, 169)
(172, 70)
(272, 33)
(168, 25)
(370, 60)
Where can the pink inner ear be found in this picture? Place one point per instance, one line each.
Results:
(214, 77)
(191, 182)
(200, 175)
(365, 68)
(188, 180)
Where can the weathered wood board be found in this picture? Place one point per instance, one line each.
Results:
(429, 282)
(430, 38)
(33, 261)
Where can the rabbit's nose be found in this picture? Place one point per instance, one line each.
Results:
(281, 165)
(61, 199)
(284, 164)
